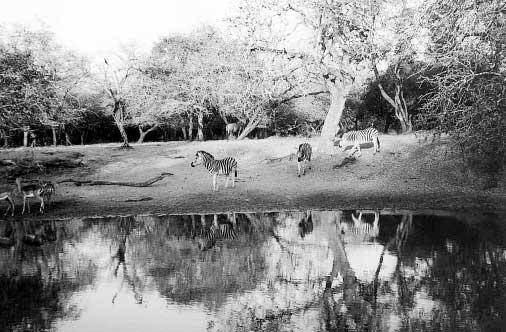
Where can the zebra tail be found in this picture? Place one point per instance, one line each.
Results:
(235, 172)
(378, 140)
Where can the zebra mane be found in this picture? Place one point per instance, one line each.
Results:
(205, 153)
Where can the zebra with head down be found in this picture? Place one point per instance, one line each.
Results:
(220, 232)
(357, 137)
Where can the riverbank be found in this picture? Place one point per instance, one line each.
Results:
(406, 174)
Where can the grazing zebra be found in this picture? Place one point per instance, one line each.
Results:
(216, 166)
(224, 231)
(356, 137)
(303, 157)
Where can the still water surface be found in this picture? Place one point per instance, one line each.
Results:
(278, 271)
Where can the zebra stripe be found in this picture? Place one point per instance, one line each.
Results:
(357, 137)
(222, 232)
(303, 158)
(216, 166)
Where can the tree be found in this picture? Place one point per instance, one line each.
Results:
(115, 88)
(394, 35)
(27, 91)
(328, 56)
(468, 56)
(65, 71)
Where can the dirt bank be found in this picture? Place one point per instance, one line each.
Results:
(405, 174)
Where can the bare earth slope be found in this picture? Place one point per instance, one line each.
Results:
(405, 174)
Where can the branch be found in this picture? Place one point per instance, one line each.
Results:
(290, 55)
(146, 183)
(380, 86)
(314, 93)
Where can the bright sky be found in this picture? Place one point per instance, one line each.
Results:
(98, 27)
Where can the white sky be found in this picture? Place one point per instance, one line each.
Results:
(98, 27)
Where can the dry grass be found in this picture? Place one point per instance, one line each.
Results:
(405, 174)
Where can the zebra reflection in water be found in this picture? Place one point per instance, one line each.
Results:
(220, 232)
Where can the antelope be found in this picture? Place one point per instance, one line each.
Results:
(29, 191)
(7, 196)
(48, 190)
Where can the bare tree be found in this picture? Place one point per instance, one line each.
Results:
(114, 88)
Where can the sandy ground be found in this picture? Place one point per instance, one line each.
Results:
(406, 174)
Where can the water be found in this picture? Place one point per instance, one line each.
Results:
(280, 271)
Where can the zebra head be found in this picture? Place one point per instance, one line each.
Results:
(340, 141)
(200, 156)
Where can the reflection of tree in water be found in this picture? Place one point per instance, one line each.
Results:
(283, 271)
(465, 272)
(125, 226)
(184, 273)
(36, 279)
(442, 278)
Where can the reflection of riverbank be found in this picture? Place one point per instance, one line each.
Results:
(299, 270)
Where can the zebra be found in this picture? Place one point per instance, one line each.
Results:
(216, 166)
(224, 231)
(303, 157)
(356, 137)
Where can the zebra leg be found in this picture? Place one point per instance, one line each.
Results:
(304, 167)
(233, 177)
(226, 181)
(353, 150)
(215, 186)
(298, 168)
(358, 149)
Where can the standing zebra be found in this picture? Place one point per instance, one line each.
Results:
(216, 166)
(303, 157)
(356, 137)
(224, 231)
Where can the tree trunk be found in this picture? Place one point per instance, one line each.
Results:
(142, 134)
(252, 124)
(122, 132)
(67, 138)
(185, 135)
(200, 126)
(26, 129)
(331, 125)
(53, 129)
(190, 128)
(5, 137)
(398, 102)
(118, 115)
(82, 137)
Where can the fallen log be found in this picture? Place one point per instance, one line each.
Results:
(288, 157)
(146, 183)
(141, 199)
